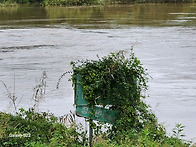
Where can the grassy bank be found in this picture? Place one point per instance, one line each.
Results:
(85, 2)
(31, 129)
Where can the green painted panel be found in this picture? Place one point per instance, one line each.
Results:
(82, 109)
(100, 114)
(79, 98)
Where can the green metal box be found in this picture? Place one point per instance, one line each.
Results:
(83, 110)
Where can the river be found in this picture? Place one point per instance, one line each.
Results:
(37, 39)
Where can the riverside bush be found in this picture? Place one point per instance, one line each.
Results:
(42, 130)
(121, 83)
(5, 3)
(29, 128)
(70, 2)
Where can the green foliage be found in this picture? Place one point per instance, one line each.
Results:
(8, 3)
(42, 130)
(113, 78)
(29, 128)
(69, 2)
(178, 131)
(85, 2)
(14, 2)
(120, 82)
(92, 2)
(142, 139)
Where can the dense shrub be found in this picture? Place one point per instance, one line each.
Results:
(85, 2)
(120, 82)
(28, 128)
(42, 130)
(70, 2)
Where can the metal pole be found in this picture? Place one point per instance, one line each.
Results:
(90, 134)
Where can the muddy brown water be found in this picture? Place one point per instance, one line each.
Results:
(36, 39)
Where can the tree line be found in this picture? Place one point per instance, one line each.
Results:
(86, 2)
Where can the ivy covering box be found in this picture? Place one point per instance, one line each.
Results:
(117, 82)
(83, 110)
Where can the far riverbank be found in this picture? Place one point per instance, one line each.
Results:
(44, 3)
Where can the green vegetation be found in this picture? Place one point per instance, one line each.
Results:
(121, 82)
(8, 3)
(31, 129)
(28, 128)
(85, 2)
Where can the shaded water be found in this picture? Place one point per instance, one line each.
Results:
(33, 40)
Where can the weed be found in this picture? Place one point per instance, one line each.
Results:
(12, 95)
(39, 91)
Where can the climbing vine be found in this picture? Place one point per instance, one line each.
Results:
(118, 82)
(113, 77)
